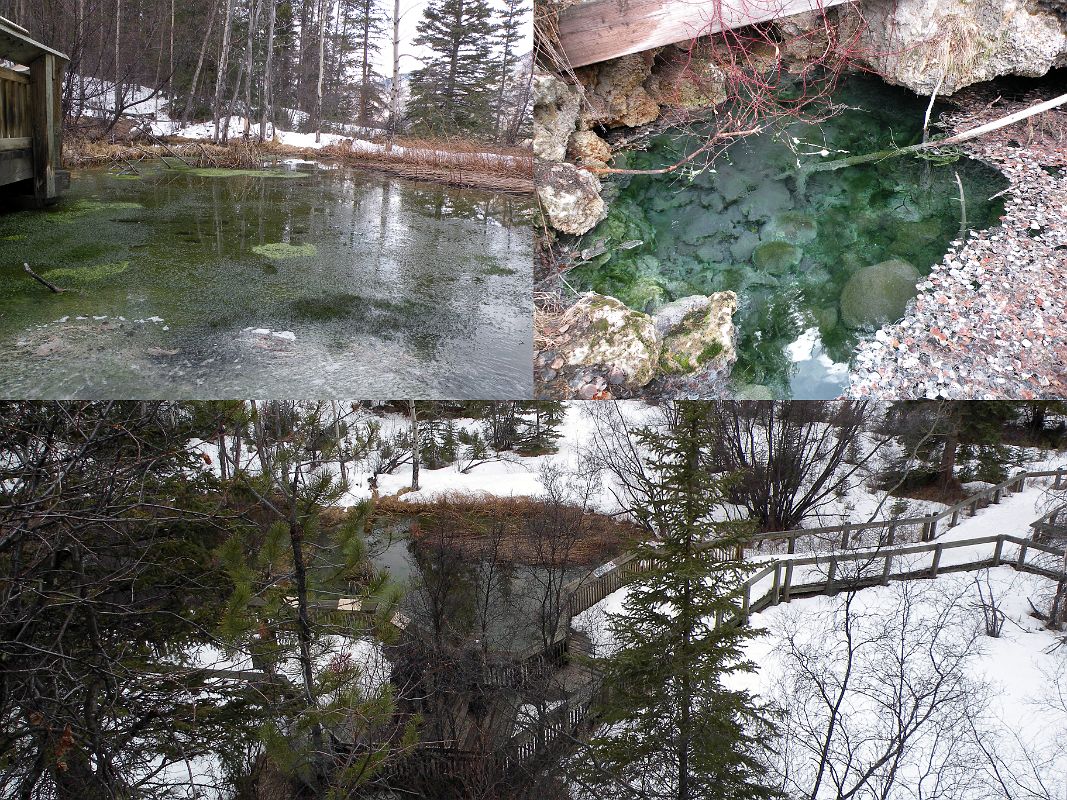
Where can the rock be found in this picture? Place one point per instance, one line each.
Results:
(685, 76)
(776, 257)
(587, 148)
(912, 42)
(698, 333)
(615, 91)
(570, 197)
(878, 294)
(555, 115)
(603, 331)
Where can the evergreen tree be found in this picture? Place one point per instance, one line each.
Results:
(453, 91)
(513, 20)
(335, 733)
(540, 426)
(670, 726)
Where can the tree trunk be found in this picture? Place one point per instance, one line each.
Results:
(364, 90)
(253, 23)
(199, 65)
(322, 59)
(267, 95)
(118, 77)
(947, 468)
(220, 78)
(394, 90)
(416, 447)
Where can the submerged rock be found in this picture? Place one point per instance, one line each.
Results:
(603, 331)
(914, 42)
(878, 294)
(698, 333)
(556, 108)
(570, 197)
(776, 257)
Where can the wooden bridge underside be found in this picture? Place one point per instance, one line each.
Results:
(598, 30)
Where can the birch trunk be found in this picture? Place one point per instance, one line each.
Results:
(199, 66)
(220, 78)
(267, 94)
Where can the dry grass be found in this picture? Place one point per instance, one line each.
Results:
(520, 529)
(451, 161)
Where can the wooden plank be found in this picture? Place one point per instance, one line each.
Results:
(17, 46)
(21, 143)
(13, 75)
(15, 167)
(599, 30)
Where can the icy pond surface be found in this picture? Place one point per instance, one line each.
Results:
(285, 283)
(801, 254)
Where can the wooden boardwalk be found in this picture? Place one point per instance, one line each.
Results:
(599, 30)
(835, 540)
(31, 119)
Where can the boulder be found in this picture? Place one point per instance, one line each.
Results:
(776, 257)
(615, 92)
(555, 116)
(570, 197)
(586, 147)
(877, 295)
(698, 333)
(914, 42)
(602, 331)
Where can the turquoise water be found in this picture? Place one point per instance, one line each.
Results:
(309, 282)
(788, 246)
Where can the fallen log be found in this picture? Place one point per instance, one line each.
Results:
(932, 144)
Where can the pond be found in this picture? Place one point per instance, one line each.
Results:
(470, 600)
(817, 263)
(298, 282)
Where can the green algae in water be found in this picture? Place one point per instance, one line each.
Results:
(74, 211)
(280, 250)
(91, 274)
(788, 247)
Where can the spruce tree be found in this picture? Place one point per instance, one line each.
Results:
(453, 91)
(671, 728)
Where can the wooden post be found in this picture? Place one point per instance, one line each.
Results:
(998, 551)
(776, 589)
(933, 528)
(887, 569)
(45, 128)
(1021, 560)
(844, 539)
(955, 518)
(1059, 478)
(792, 545)
(937, 560)
(746, 603)
(788, 582)
(996, 497)
(926, 532)
(892, 534)
(830, 576)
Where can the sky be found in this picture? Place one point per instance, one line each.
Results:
(411, 56)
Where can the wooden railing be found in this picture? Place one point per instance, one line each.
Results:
(16, 120)
(830, 573)
(1054, 523)
(586, 592)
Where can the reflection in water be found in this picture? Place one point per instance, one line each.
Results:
(331, 282)
(816, 263)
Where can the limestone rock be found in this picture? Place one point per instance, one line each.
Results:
(570, 197)
(916, 41)
(616, 94)
(587, 148)
(603, 331)
(698, 333)
(687, 77)
(556, 108)
(877, 295)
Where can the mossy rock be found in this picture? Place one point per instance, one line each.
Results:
(794, 227)
(283, 250)
(776, 257)
(878, 294)
(91, 274)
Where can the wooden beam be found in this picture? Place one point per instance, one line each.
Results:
(17, 46)
(45, 125)
(599, 30)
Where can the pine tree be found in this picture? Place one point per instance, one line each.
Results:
(670, 726)
(337, 733)
(453, 91)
